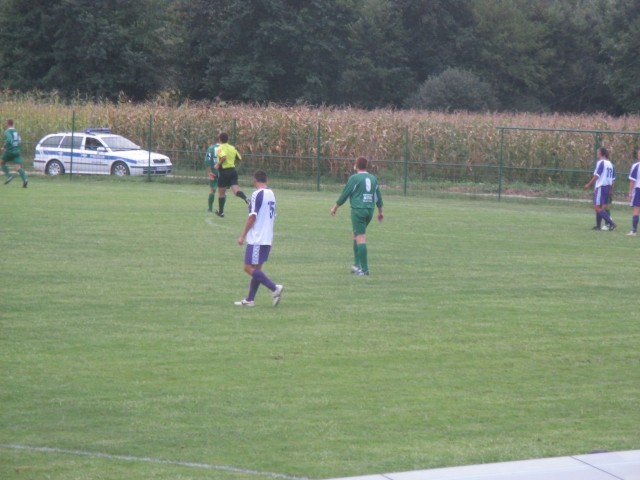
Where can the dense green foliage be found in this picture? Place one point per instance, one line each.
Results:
(533, 55)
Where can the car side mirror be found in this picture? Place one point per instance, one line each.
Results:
(101, 149)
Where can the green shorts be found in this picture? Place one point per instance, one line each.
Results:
(213, 183)
(11, 157)
(360, 219)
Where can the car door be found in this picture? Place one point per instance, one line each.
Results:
(94, 156)
(70, 153)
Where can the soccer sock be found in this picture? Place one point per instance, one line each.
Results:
(362, 253)
(598, 219)
(253, 288)
(5, 169)
(23, 175)
(221, 201)
(606, 217)
(241, 194)
(211, 197)
(634, 223)
(356, 257)
(262, 278)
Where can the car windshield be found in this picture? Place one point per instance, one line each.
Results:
(116, 142)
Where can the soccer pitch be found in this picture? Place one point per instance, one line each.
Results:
(486, 332)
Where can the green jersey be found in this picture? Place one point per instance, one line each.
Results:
(362, 190)
(12, 141)
(210, 158)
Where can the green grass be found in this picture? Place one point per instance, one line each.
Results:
(488, 331)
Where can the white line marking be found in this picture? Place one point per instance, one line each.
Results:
(156, 461)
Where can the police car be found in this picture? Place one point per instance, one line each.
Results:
(96, 151)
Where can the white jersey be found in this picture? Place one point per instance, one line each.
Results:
(263, 206)
(604, 172)
(634, 174)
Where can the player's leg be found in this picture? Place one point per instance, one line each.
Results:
(212, 193)
(635, 201)
(604, 214)
(361, 242)
(17, 161)
(254, 257)
(597, 208)
(355, 268)
(222, 191)
(360, 220)
(236, 189)
(5, 169)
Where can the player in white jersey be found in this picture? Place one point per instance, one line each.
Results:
(634, 195)
(258, 232)
(603, 177)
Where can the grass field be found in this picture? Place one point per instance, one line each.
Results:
(488, 331)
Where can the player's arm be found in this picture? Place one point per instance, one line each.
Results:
(221, 155)
(379, 203)
(346, 192)
(590, 182)
(251, 219)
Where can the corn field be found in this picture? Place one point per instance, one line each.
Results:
(406, 147)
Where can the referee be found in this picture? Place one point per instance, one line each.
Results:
(228, 176)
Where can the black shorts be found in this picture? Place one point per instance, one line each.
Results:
(228, 177)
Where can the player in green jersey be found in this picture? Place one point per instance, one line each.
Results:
(210, 160)
(363, 192)
(11, 154)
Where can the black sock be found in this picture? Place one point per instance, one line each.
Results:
(241, 194)
(221, 201)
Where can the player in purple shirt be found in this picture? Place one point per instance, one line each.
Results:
(603, 177)
(634, 195)
(258, 233)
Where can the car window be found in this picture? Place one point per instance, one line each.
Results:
(52, 141)
(92, 143)
(116, 142)
(66, 141)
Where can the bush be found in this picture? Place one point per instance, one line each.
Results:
(453, 90)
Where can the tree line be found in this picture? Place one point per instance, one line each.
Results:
(578, 56)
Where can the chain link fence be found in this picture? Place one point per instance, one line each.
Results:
(418, 160)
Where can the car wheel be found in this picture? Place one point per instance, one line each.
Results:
(54, 167)
(120, 169)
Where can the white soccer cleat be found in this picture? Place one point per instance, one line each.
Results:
(631, 234)
(277, 294)
(604, 228)
(244, 303)
(355, 269)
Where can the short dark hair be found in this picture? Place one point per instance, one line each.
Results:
(361, 163)
(604, 152)
(10, 122)
(260, 176)
(223, 137)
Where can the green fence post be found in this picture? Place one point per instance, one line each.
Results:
(501, 163)
(234, 132)
(73, 129)
(597, 139)
(405, 154)
(150, 147)
(318, 147)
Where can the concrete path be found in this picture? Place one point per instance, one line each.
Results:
(594, 466)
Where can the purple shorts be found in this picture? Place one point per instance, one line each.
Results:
(256, 254)
(635, 200)
(601, 195)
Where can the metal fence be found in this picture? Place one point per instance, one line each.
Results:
(515, 164)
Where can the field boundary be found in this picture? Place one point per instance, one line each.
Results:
(156, 461)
